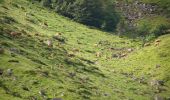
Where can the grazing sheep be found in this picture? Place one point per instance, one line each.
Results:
(157, 42)
(96, 45)
(49, 43)
(57, 34)
(75, 50)
(130, 50)
(98, 54)
(71, 54)
(44, 25)
(15, 34)
(147, 44)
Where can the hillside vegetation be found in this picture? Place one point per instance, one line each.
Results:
(46, 56)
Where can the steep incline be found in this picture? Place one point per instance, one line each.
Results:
(44, 55)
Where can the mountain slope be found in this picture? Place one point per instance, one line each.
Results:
(82, 64)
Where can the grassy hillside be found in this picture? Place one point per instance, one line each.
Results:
(83, 64)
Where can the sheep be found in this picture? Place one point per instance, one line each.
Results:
(15, 34)
(75, 50)
(147, 44)
(49, 43)
(130, 50)
(98, 54)
(71, 54)
(44, 25)
(157, 42)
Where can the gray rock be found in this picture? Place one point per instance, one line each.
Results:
(158, 66)
(15, 50)
(157, 97)
(42, 93)
(156, 82)
(56, 99)
(9, 72)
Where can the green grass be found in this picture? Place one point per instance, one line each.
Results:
(52, 70)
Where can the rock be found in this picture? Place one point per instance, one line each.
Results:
(106, 94)
(15, 50)
(115, 55)
(156, 82)
(2, 50)
(56, 99)
(158, 66)
(159, 89)
(71, 74)
(42, 93)
(9, 72)
(157, 97)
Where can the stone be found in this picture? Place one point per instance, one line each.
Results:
(9, 72)
(14, 50)
(156, 82)
(42, 93)
(56, 99)
(106, 94)
(71, 74)
(158, 66)
(157, 97)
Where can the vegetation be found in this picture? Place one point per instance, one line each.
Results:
(97, 13)
(44, 55)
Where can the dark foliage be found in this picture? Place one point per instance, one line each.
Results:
(97, 13)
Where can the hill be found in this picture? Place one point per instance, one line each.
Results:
(45, 55)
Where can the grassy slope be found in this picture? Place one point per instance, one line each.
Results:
(97, 78)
